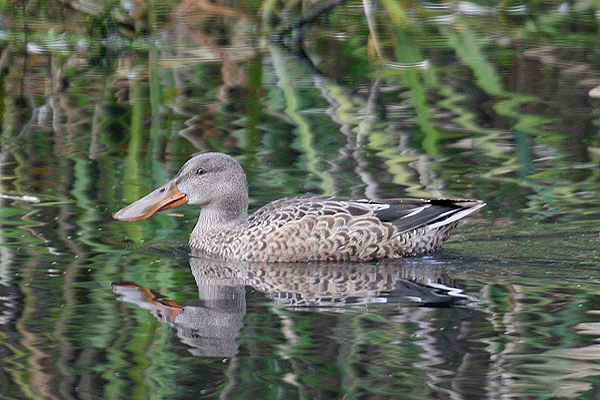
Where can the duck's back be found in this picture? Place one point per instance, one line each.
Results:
(340, 229)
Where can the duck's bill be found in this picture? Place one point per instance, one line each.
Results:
(163, 198)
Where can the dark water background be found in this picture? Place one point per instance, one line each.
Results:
(103, 102)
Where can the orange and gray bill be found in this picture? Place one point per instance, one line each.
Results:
(163, 198)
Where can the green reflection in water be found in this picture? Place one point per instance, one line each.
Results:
(474, 123)
(292, 106)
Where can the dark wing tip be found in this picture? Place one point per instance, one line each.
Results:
(407, 215)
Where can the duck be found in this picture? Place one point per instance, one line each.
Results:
(297, 229)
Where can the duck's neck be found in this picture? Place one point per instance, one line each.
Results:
(223, 215)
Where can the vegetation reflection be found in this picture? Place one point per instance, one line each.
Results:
(103, 100)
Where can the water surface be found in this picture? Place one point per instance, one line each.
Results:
(477, 102)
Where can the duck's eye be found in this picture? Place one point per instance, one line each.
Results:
(200, 171)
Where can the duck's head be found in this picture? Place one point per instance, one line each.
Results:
(213, 181)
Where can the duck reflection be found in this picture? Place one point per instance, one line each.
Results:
(211, 324)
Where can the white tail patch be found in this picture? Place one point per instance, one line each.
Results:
(454, 215)
(416, 211)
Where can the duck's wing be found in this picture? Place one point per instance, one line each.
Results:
(408, 214)
(403, 214)
(337, 228)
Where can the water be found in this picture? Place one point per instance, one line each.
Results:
(479, 103)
